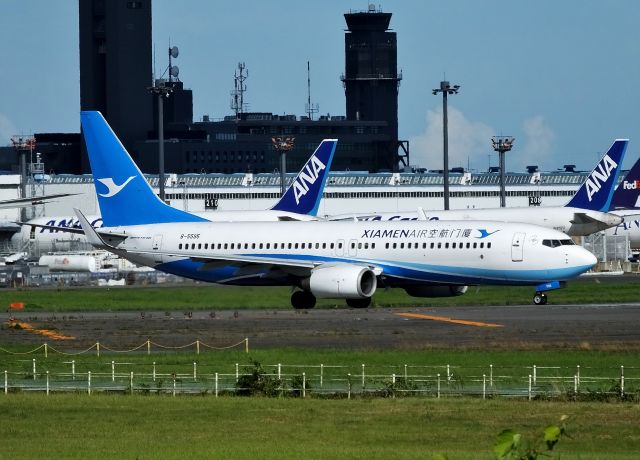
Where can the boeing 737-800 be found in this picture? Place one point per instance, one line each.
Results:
(586, 212)
(346, 260)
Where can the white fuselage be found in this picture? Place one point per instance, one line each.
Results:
(411, 252)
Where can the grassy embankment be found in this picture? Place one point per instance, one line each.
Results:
(207, 297)
(107, 426)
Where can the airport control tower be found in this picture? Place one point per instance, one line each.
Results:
(371, 78)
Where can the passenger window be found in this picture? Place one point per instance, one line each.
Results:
(475, 245)
(432, 245)
(303, 245)
(386, 245)
(333, 245)
(232, 245)
(317, 245)
(401, 245)
(373, 245)
(359, 245)
(424, 245)
(353, 245)
(481, 245)
(180, 246)
(468, 245)
(260, 246)
(226, 245)
(395, 245)
(289, 245)
(439, 245)
(488, 245)
(199, 245)
(296, 246)
(324, 245)
(193, 245)
(206, 245)
(453, 245)
(446, 245)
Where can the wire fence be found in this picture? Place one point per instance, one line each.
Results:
(47, 374)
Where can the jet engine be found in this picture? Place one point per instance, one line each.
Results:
(444, 290)
(342, 281)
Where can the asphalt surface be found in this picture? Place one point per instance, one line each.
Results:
(513, 327)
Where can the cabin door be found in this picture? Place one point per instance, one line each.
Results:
(517, 247)
(157, 246)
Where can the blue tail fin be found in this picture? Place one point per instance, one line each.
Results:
(627, 195)
(124, 196)
(305, 192)
(597, 191)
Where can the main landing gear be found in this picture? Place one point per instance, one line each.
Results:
(303, 300)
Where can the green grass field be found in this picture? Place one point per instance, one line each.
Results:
(201, 296)
(153, 427)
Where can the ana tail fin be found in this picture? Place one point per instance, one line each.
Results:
(596, 192)
(124, 196)
(305, 192)
(627, 195)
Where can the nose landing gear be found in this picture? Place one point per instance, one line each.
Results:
(540, 298)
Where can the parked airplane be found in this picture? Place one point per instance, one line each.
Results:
(300, 202)
(345, 260)
(584, 214)
(626, 202)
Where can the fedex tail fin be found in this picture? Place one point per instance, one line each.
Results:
(124, 196)
(305, 192)
(627, 195)
(597, 191)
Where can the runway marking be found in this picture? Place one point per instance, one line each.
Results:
(15, 324)
(449, 320)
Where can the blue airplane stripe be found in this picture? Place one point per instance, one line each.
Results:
(408, 271)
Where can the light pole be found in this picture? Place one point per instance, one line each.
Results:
(502, 144)
(283, 145)
(162, 91)
(446, 89)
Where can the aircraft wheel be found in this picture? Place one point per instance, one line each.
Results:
(359, 303)
(303, 300)
(540, 299)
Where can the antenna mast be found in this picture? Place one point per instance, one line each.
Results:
(310, 108)
(239, 88)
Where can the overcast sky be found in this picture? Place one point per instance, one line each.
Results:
(561, 76)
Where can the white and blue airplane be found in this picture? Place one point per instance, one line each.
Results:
(300, 202)
(344, 260)
(587, 212)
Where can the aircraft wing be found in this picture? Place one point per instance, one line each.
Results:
(76, 230)
(31, 201)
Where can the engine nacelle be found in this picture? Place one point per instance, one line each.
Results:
(342, 281)
(445, 290)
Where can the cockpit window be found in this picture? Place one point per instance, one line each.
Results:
(556, 243)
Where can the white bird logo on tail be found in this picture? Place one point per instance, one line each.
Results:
(114, 188)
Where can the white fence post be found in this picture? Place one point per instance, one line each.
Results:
(304, 384)
(438, 386)
(406, 376)
(349, 382)
(484, 386)
(47, 383)
(73, 369)
(491, 375)
(529, 387)
(195, 372)
(148, 347)
(98, 349)
(154, 371)
(279, 371)
(621, 381)
(321, 375)
(216, 384)
(363, 376)
(34, 368)
(578, 373)
(89, 382)
(174, 385)
(575, 383)
(448, 374)
(131, 382)
(6, 382)
(393, 384)
(46, 351)
(198, 347)
(113, 371)
(535, 374)
(237, 372)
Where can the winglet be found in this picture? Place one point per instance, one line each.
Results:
(596, 192)
(92, 236)
(305, 192)
(627, 195)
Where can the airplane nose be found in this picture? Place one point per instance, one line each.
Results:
(588, 258)
(614, 220)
